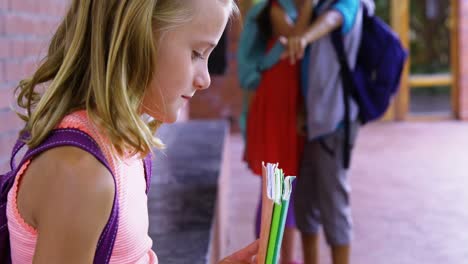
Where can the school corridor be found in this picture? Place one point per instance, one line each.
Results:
(409, 194)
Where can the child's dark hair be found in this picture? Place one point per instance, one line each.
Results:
(264, 21)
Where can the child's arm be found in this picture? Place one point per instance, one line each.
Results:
(324, 25)
(342, 14)
(72, 199)
(282, 25)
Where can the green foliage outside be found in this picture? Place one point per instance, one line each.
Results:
(429, 37)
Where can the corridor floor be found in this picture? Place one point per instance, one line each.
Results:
(409, 195)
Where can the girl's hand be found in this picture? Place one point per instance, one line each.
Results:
(247, 255)
(295, 47)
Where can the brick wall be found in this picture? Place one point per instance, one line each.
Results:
(25, 29)
(463, 58)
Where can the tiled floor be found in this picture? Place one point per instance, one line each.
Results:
(409, 197)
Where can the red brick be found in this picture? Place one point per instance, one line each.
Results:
(7, 140)
(464, 105)
(464, 30)
(19, 25)
(463, 7)
(462, 27)
(19, 69)
(46, 6)
(27, 48)
(3, 4)
(2, 72)
(23, 6)
(43, 7)
(4, 48)
(463, 62)
(13, 71)
(10, 122)
(42, 27)
(5, 85)
(6, 98)
(36, 48)
(4, 167)
(17, 49)
(29, 67)
(463, 96)
(463, 66)
(53, 8)
(463, 99)
(2, 24)
(62, 9)
(29, 25)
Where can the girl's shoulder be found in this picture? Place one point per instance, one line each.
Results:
(67, 193)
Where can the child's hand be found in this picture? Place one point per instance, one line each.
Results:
(295, 47)
(246, 255)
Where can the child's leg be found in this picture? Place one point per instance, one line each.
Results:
(289, 244)
(334, 196)
(306, 202)
(310, 247)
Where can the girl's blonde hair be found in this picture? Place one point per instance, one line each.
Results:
(101, 59)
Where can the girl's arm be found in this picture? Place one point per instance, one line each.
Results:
(71, 196)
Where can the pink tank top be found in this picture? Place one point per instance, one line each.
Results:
(133, 244)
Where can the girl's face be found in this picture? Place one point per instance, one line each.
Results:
(182, 60)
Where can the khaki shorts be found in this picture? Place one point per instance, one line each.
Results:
(322, 189)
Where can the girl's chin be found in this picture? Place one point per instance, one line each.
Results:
(170, 117)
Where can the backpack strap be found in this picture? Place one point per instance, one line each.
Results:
(348, 85)
(148, 165)
(20, 142)
(79, 139)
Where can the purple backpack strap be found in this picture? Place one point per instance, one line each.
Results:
(77, 138)
(148, 165)
(18, 145)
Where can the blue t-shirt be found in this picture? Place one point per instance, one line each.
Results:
(348, 9)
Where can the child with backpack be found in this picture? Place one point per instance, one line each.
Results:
(322, 189)
(351, 67)
(79, 193)
(271, 130)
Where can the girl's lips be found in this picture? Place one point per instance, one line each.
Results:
(186, 97)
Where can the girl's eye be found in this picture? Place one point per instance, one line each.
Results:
(197, 55)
